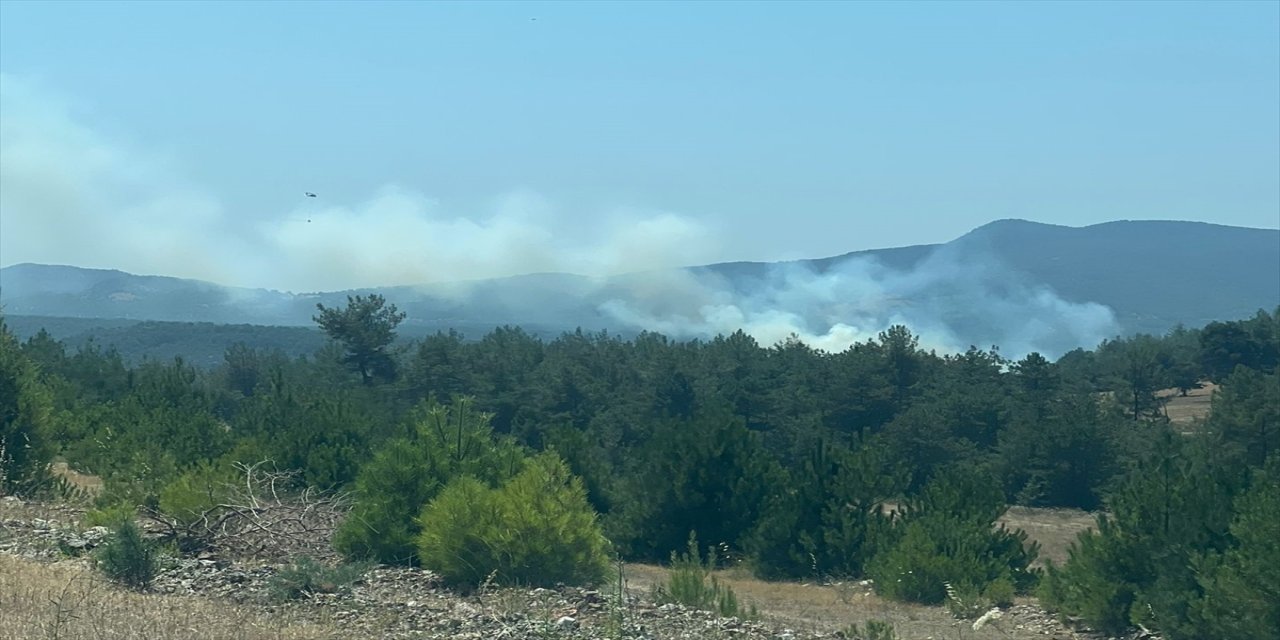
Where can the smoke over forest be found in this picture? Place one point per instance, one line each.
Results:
(76, 194)
(952, 303)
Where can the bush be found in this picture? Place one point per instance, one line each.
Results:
(108, 515)
(1092, 585)
(196, 492)
(692, 585)
(537, 529)
(708, 474)
(408, 473)
(830, 523)
(306, 576)
(454, 533)
(947, 539)
(128, 558)
(1140, 565)
(874, 630)
(967, 603)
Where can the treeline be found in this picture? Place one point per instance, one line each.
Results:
(537, 458)
(199, 343)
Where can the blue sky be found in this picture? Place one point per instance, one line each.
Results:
(614, 136)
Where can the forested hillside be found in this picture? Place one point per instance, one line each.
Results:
(202, 344)
(525, 460)
(1022, 285)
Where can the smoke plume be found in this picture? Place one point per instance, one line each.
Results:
(953, 299)
(70, 194)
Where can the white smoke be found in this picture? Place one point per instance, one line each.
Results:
(72, 195)
(68, 195)
(950, 304)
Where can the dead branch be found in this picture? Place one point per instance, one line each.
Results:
(262, 518)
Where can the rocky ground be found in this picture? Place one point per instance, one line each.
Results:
(398, 602)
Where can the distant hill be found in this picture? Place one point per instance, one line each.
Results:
(56, 290)
(200, 343)
(1151, 274)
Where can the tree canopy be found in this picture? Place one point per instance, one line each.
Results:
(366, 329)
(784, 456)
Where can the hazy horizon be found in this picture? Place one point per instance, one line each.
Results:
(451, 142)
(640, 272)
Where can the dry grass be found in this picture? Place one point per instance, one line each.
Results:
(69, 601)
(1191, 409)
(92, 485)
(1054, 529)
(827, 608)
(807, 605)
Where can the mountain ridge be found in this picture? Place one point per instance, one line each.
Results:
(1152, 275)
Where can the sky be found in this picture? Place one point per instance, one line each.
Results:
(449, 141)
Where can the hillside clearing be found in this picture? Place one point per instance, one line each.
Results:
(1190, 409)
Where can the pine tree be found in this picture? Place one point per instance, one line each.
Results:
(366, 328)
(25, 416)
(1172, 508)
(1242, 586)
(947, 537)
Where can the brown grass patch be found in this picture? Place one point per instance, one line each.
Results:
(68, 600)
(1190, 409)
(91, 485)
(1054, 529)
(826, 608)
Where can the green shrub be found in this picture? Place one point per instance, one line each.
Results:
(1153, 559)
(407, 473)
(947, 537)
(829, 522)
(967, 602)
(536, 529)
(1242, 586)
(1000, 593)
(128, 558)
(196, 492)
(874, 630)
(454, 530)
(708, 473)
(25, 418)
(692, 584)
(305, 576)
(108, 515)
(1092, 584)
